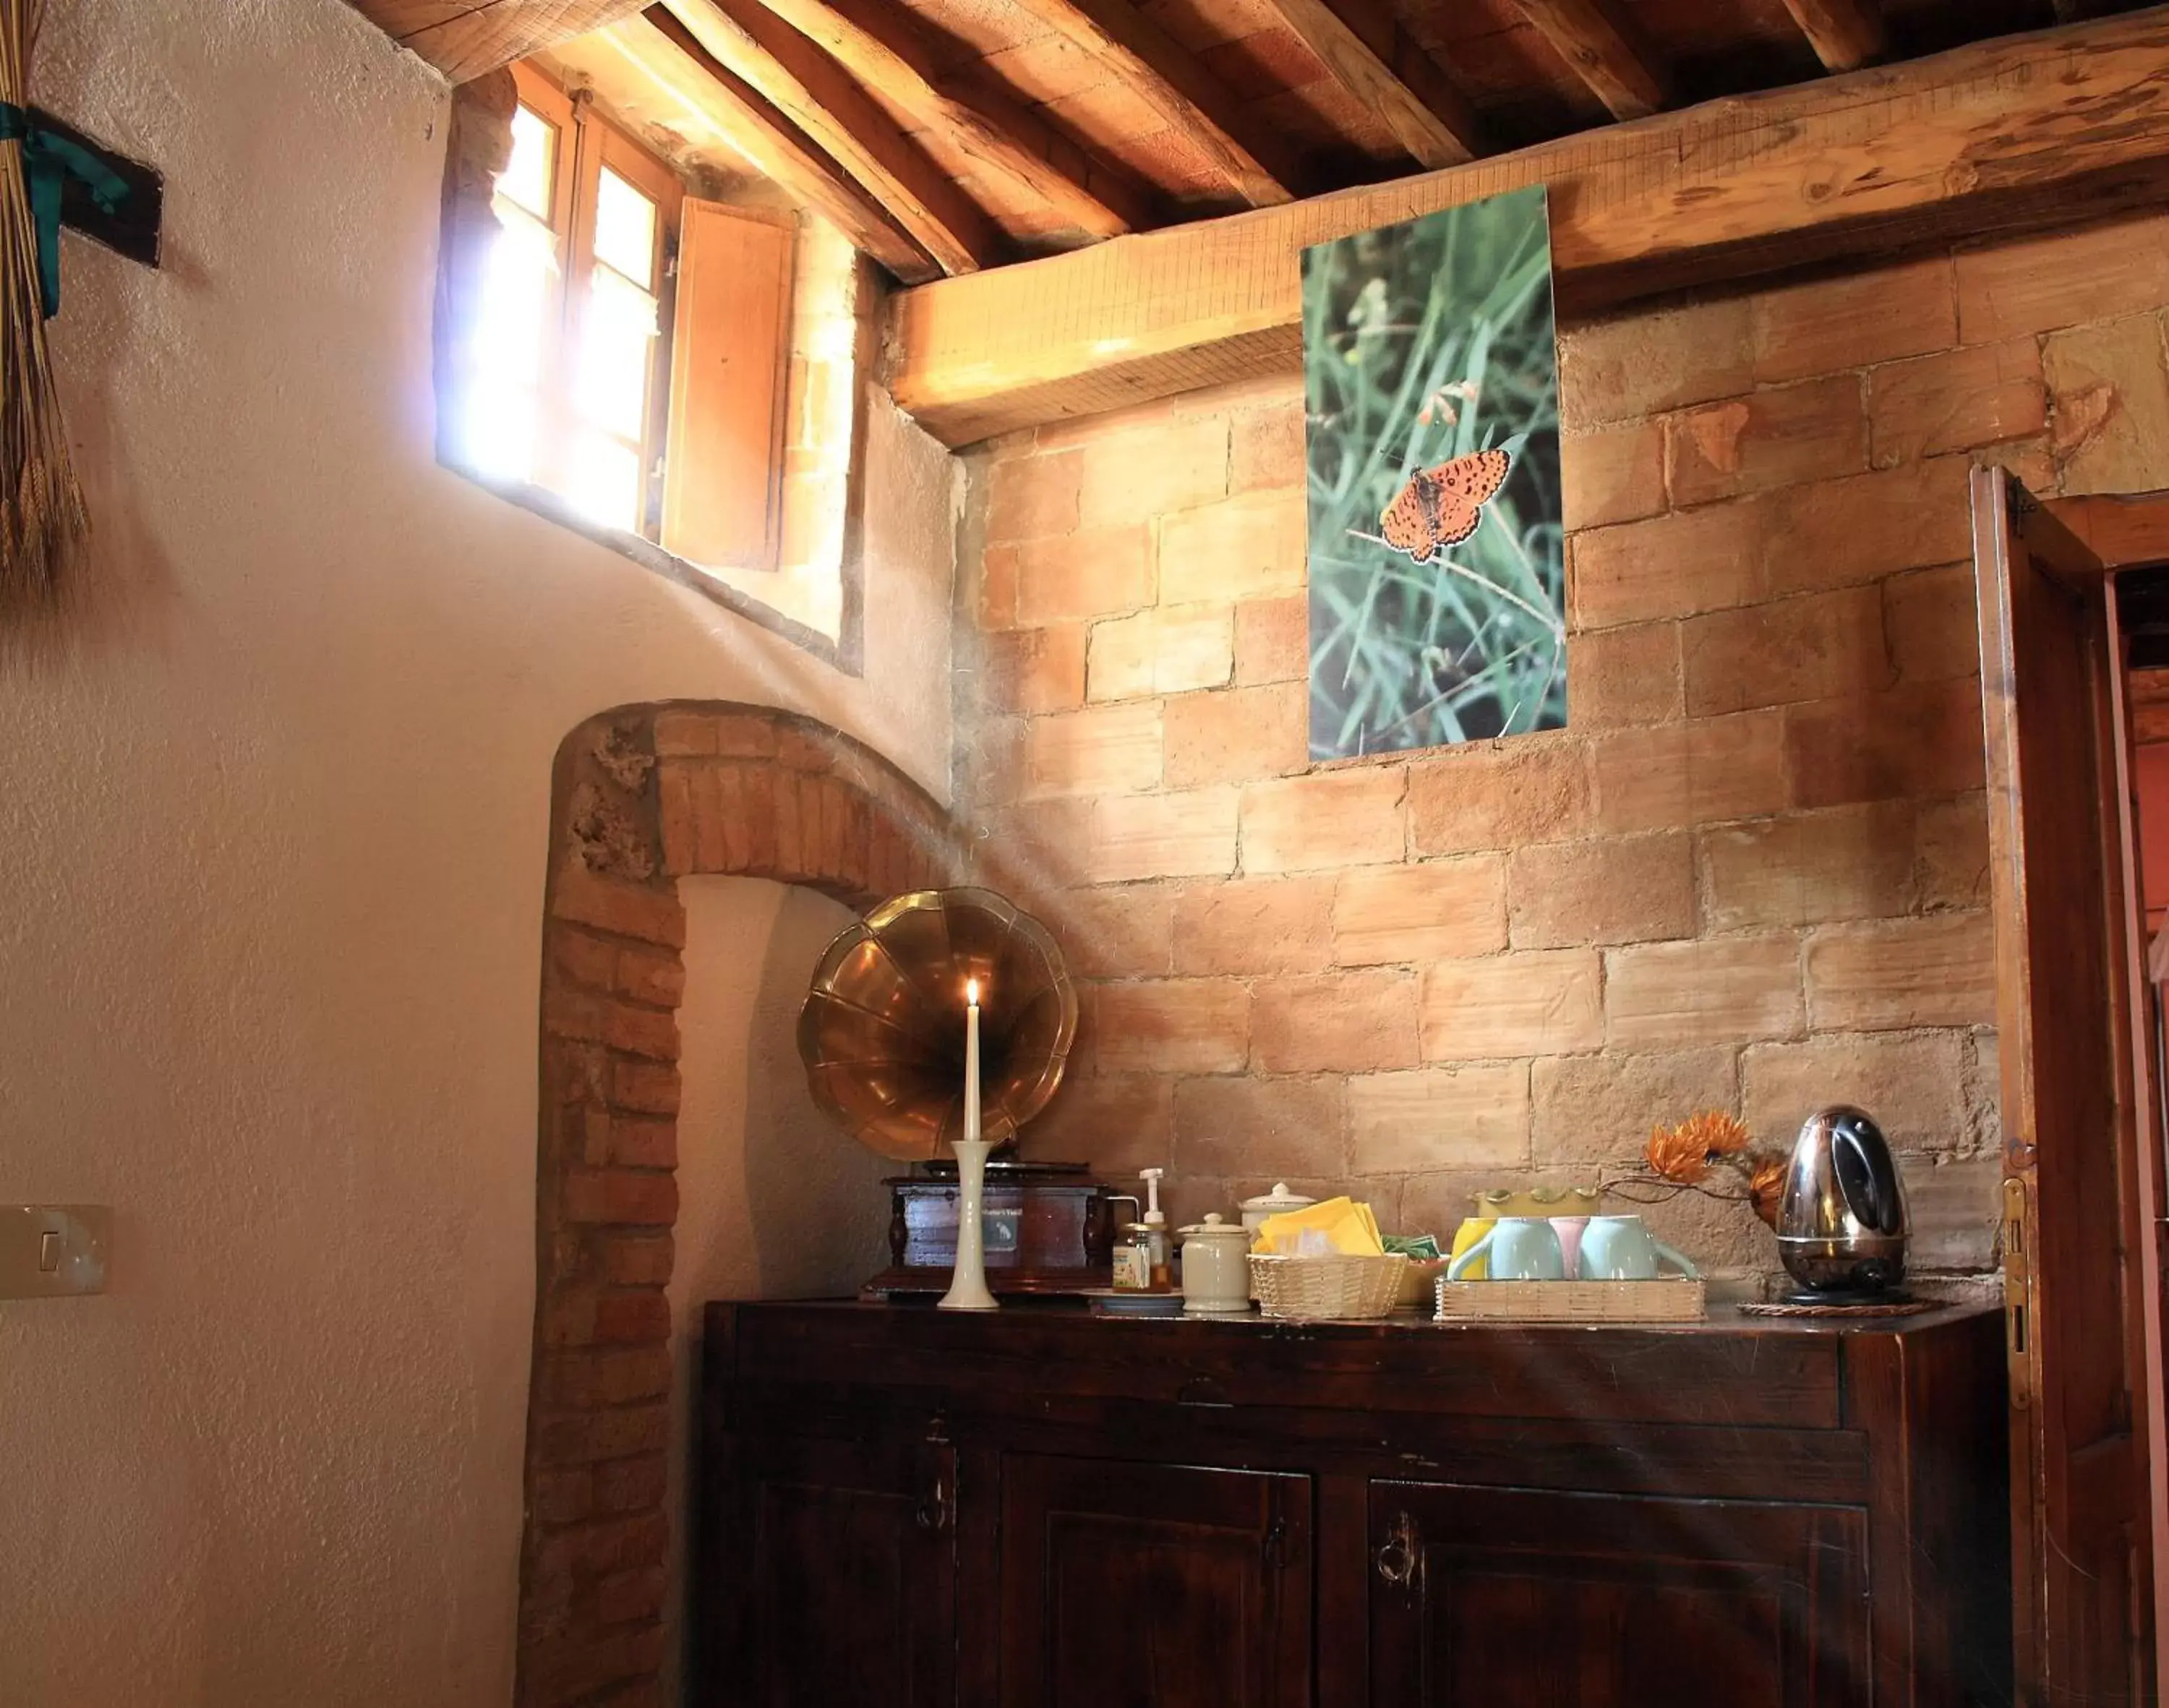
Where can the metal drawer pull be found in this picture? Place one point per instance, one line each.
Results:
(932, 1513)
(1397, 1557)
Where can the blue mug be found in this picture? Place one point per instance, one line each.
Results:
(1621, 1248)
(1516, 1248)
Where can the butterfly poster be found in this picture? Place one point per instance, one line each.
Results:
(1438, 611)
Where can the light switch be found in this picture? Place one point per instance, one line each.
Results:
(48, 1251)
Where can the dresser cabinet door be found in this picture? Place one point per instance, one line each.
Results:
(842, 1565)
(1142, 1586)
(1513, 1599)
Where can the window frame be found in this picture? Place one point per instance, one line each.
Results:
(469, 226)
(586, 143)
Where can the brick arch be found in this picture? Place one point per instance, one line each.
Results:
(640, 797)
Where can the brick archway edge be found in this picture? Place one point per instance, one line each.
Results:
(640, 797)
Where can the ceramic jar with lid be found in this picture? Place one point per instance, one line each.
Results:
(1216, 1268)
(1277, 1202)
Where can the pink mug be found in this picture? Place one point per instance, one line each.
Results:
(1569, 1231)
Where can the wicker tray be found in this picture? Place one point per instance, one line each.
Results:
(1327, 1289)
(1667, 1301)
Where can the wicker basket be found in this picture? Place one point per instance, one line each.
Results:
(1337, 1288)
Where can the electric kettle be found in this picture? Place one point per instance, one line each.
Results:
(1842, 1224)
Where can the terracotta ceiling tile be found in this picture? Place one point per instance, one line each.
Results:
(985, 26)
(1107, 112)
(1199, 24)
(1323, 118)
(1049, 69)
(1264, 63)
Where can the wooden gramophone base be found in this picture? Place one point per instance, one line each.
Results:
(1048, 1231)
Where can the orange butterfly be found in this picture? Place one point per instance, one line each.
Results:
(1440, 507)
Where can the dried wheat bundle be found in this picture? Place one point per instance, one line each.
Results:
(43, 523)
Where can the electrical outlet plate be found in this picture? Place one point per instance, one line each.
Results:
(50, 1251)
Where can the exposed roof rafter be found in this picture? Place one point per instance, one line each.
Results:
(2013, 134)
(464, 39)
(1606, 52)
(1845, 35)
(1256, 163)
(820, 98)
(786, 154)
(1376, 61)
(878, 43)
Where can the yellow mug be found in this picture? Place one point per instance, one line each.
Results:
(1473, 1229)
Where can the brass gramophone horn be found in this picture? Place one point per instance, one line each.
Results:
(882, 1031)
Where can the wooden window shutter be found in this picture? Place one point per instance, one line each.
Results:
(723, 482)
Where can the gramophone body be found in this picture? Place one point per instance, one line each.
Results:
(882, 1036)
(1048, 1229)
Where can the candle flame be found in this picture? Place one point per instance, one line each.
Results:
(972, 991)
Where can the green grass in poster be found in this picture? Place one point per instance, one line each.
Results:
(1425, 343)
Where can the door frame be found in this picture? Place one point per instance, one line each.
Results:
(2125, 531)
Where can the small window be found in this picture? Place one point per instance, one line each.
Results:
(628, 345)
(677, 374)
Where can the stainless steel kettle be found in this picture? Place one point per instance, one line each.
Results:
(1842, 1224)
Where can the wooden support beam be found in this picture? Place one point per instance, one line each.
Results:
(777, 147)
(818, 96)
(1251, 155)
(882, 46)
(463, 38)
(1436, 124)
(1607, 52)
(2023, 133)
(1845, 35)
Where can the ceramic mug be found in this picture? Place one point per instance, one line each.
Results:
(1472, 1229)
(1621, 1248)
(1516, 1248)
(1569, 1229)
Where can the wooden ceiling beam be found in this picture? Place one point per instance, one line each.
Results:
(2025, 133)
(1251, 155)
(822, 100)
(882, 46)
(1607, 52)
(1845, 35)
(1366, 49)
(785, 154)
(464, 39)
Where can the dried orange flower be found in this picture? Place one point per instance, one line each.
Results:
(1684, 1153)
(1765, 1186)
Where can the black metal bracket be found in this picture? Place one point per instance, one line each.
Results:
(131, 229)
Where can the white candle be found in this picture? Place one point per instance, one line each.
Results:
(971, 1060)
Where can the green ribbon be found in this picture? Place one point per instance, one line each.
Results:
(49, 161)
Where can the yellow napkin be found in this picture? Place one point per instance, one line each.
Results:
(1348, 1227)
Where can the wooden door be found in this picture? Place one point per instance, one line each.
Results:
(840, 1562)
(1152, 1586)
(2070, 1219)
(1485, 1597)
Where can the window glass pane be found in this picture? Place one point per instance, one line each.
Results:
(624, 230)
(616, 343)
(517, 292)
(531, 173)
(509, 334)
(604, 484)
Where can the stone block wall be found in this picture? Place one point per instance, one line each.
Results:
(1750, 875)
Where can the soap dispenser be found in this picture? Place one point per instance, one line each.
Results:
(1163, 1267)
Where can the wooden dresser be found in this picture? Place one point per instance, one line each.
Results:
(1044, 1509)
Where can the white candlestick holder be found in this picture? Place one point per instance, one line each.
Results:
(968, 1286)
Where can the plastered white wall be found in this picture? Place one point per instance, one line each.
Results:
(271, 844)
(774, 1201)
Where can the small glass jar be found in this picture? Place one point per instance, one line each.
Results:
(1133, 1259)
